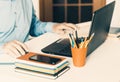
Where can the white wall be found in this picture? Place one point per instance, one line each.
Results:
(116, 15)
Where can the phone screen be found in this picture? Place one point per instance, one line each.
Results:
(45, 59)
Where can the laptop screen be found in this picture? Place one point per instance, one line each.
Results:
(100, 26)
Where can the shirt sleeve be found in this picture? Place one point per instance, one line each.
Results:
(38, 27)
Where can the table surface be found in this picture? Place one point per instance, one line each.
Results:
(103, 65)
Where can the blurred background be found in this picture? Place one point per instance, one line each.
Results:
(75, 11)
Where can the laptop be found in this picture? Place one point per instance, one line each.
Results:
(100, 26)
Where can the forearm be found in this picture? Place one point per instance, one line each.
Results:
(39, 27)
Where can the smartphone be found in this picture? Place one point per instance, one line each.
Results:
(45, 59)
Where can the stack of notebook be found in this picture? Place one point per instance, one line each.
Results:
(41, 65)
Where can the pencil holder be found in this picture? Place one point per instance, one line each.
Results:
(79, 56)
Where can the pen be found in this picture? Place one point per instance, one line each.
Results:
(71, 40)
(73, 43)
(77, 39)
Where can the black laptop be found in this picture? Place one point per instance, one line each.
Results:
(100, 26)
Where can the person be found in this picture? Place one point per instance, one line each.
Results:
(18, 21)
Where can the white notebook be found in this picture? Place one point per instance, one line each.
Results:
(114, 32)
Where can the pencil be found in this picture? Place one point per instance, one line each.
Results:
(87, 42)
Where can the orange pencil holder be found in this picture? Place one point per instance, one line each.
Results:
(79, 56)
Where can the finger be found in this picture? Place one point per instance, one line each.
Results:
(61, 32)
(18, 48)
(71, 26)
(9, 49)
(64, 30)
(9, 52)
(25, 48)
(62, 26)
(65, 27)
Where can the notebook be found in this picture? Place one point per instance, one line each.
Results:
(114, 32)
(100, 26)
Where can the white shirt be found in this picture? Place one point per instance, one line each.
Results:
(18, 21)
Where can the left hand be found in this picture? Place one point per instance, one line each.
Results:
(64, 28)
(15, 48)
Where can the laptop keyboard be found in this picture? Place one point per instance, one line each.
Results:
(66, 51)
(60, 47)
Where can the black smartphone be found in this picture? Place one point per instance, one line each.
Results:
(45, 59)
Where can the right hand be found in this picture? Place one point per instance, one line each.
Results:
(15, 48)
(64, 28)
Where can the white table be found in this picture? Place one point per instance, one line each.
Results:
(103, 65)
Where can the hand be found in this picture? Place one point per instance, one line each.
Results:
(15, 48)
(64, 28)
